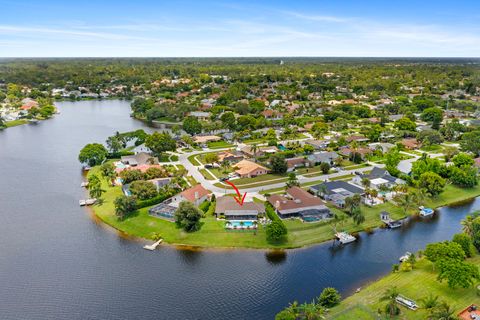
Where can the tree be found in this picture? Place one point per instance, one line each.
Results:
(466, 176)
(155, 172)
(292, 180)
(191, 125)
(188, 216)
(476, 232)
(462, 160)
(108, 170)
(329, 298)
(468, 222)
(325, 167)
(276, 231)
(405, 124)
(433, 115)
(457, 273)
(465, 241)
(278, 163)
(430, 137)
(211, 157)
(432, 183)
(228, 120)
(390, 295)
(254, 148)
(124, 206)
(160, 142)
(443, 312)
(143, 190)
(95, 187)
(407, 201)
(131, 175)
(2, 123)
(471, 142)
(116, 143)
(93, 154)
(352, 203)
(430, 302)
(358, 216)
(446, 250)
(392, 159)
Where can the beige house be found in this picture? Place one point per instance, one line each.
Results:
(249, 169)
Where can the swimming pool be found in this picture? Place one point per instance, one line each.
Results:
(239, 224)
(119, 165)
(281, 147)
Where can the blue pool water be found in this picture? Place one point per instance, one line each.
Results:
(282, 147)
(237, 224)
(120, 165)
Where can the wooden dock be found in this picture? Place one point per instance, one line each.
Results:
(153, 246)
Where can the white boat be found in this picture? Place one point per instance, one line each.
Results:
(84, 184)
(426, 212)
(409, 303)
(344, 237)
(91, 201)
(82, 203)
(405, 256)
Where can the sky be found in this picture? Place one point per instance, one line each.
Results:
(205, 28)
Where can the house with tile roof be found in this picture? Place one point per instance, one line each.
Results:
(249, 169)
(232, 210)
(299, 203)
(196, 195)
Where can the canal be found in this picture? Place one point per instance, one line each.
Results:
(58, 262)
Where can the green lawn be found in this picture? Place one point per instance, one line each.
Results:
(219, 144)
(193, 160)
(415, 284)
(262, 178)
(15, 123)
(206, 174)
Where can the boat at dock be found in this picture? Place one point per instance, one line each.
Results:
(426, 212)
(84, 184)
(33, 121)
(344, 237)
(389, 222)
(87, 202)
(405, 257)
(153, 246)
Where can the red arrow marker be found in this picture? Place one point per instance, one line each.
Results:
(240, 199)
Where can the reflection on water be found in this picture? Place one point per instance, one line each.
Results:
(58, 263)
(276, 257)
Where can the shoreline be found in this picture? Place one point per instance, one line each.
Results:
(194, 247)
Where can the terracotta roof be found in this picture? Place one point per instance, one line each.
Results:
(203, 139)
(295, 161)
(245, 167)
(189, 194)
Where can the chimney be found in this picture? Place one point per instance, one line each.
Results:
(196, 195)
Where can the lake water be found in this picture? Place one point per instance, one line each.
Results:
(58, 262)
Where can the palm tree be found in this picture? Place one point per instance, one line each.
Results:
(443, 312)
(293, 309)
(430, 302)
(467, 223)
(390, 296)
(358, 216)
(225, 165)
(254, 148)
(366, 183)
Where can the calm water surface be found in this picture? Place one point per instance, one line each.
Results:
(57, 262)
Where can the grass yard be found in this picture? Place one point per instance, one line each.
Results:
(193, 160)
(219, 144)
(206, 174)
(15, 123)
(416, 284)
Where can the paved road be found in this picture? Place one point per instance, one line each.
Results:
(193, 171)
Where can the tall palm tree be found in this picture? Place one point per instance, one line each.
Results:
(225, 165)
(467, 225)
(254, 148)
(390, 296)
